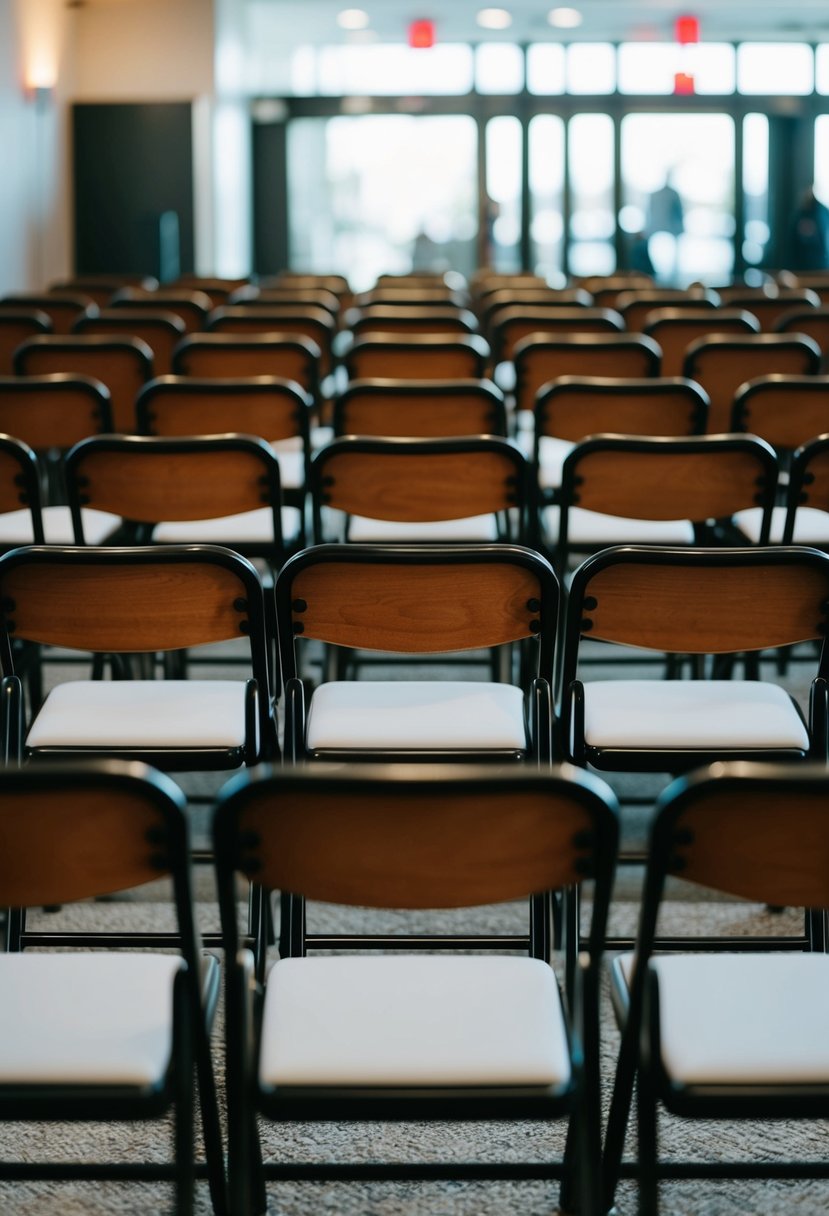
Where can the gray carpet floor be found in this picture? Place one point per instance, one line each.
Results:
(687, 911)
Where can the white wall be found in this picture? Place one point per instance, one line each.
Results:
(155, 50)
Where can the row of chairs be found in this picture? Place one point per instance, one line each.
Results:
(714, 603)
(116, 1035)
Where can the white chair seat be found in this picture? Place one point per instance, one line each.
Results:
(596, 528)
(811, 526)
(552, 454)
(291, 462)
(98, 1018)
(734, 1019)
(413, 1020)
(16, 526)
(473, 528)
(162, 714)
(426, 715)
(685, 714)
(245, 528)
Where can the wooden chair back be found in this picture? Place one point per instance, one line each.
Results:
(573, 407)
(699, 600)
(418, 836)
(410, 319)
(721, 364)
(314, 297)
(539, 359)
(192, 307)
(17, 327)
(217, 289)
(813, 322)
(676, 328)
(416, 599)
(785, 410)
(418, 357)
(269, 407)
(149, 480)
(100, 288)
(76, 832)
(636, 305)
(769, 309)
(54, 411)
(509, 325)
(308, 320)
(161, 331)
(62, 310)
(425, 408)
(129, 600)
(494, 299)
(233, 356)
(418, 480)
(122, 364)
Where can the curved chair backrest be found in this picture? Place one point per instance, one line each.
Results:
(635, 305)
(122, 364)
(425, 408)
(786, 410)
(313, 297)
(192, 307)
(769, 309)
(721, 364)
(63, 310)
(509, 325)
(676, 328)
(573, 407)
(269, 407)
(813, 322)
(160, 330)
(16, 327)
(539, 358)
(231, 356)
(418, 356)
(410, 319)
(54, 411)
(307, 320)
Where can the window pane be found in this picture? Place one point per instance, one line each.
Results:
(650, 67)
(546, 149)
(503, 193)
(389, 69)
(822, 68)
(775, 67)
(499, 68)
(545, 68)
(756, 187)
(678, 184)
(382, 193)
(592, 222)
(591, 68)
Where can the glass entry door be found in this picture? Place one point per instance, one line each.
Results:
(678, 175)
(383, 194)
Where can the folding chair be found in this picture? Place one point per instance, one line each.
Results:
(721, 364)
(539, 359)
(130, 602)
(419, 1036)
(420, 408)
(709, 602)
(396, 490)
(726, 1036)
(417, 600)
(813, 322)
(104, 1035)
(62, 308)
(231, 356)
(192, 307)
(161, 330)
(307, 320)
(50, 414)
(205, 489)
(570, 408)
(664, 491)
(636, 305)
(17, 327)
(769, 309)
(677, 327)
(269, 407)
(122, 364)
(417, 356)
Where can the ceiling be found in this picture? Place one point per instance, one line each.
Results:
(314, 21)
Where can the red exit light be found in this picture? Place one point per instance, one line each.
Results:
(686, 30)
(422, 34)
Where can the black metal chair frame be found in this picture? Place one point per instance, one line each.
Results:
(239, 849)
(165, 850)
(671, 852)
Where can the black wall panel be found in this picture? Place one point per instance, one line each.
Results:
(133, 167)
